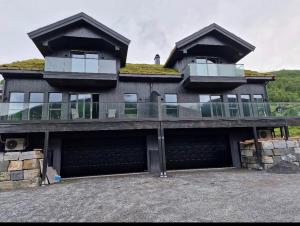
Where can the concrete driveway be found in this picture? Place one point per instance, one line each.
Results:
(205, 195)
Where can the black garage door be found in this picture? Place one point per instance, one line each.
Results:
(96, 156)
(192, 152)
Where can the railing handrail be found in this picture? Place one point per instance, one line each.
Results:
(217, 64)
(70, 57)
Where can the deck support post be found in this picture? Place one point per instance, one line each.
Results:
(257, 149)
(45, 161)
(286, 132)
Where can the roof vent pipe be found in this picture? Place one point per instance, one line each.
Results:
(157, 59)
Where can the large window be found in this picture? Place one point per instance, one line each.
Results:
(16, 106)
(130, 104)
(211, 105)
(259, 105)
(233, 106)
(36, 106)
(246, 105)
(81, 106)
(55, 105)
(85, 62)
(171, 105)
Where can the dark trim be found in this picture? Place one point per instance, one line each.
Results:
(210, 28)
(72, 19)
(19, 73)
(150, 77)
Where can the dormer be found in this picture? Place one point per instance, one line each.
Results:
(208, 58)
(79, 34)
(79, 47)
(212, 44)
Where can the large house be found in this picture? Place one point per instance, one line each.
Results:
(94, 115)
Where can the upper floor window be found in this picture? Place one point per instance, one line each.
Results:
(16, 105)
(55, 105)
(36, 106)
(171, 105)
(211, 105)
(259, 105)
(130, 100)
(85, 62)
(233, 105)
(246, 105)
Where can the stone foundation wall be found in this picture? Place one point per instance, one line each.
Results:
(20, 169)
(269, 153)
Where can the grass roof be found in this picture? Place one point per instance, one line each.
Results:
(147, 69)
(151, 69)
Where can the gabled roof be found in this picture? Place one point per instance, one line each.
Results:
(60, 34)
(203, 32)
(75, 18)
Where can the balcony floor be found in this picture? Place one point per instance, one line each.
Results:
(133, 124)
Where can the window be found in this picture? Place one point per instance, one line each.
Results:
(211, 105)
(205, 105)
(36, 106)
(81, 106)
(246, 105)
(171, 105)
(259, 105)
(16, 106)
(207, 66)
(85, 62)
(233, 105)
(55, 105)
(130, 105)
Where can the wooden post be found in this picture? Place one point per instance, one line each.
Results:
(161, 145)
(282, 132)
(45, 162)
(257, 150)
(287, 133)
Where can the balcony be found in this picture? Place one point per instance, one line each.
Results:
(214, 76)
(85, 110)
(83, 72)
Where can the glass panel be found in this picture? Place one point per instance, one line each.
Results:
(78, 62)
(55, 105)
(36, 106)
(171, 106)
(233, 105)
(16, 106)
(91, 63)
(217, 106)
(212, 69)
(205, 105)
(246, 105)
(130, 105)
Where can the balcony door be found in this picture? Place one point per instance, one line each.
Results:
(85, 62)
(84, 106)
(211, 105)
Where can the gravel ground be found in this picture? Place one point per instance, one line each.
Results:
(205, 195)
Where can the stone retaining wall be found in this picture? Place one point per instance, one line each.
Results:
(20, 169)
(269, 153)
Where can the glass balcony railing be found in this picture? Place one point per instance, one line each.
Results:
(76, 111)
(226, 70)
(135, 111)
(80, 65)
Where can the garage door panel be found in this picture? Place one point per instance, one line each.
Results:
(103, 156)
(186, 152)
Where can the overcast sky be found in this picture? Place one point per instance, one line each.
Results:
(153, 26)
